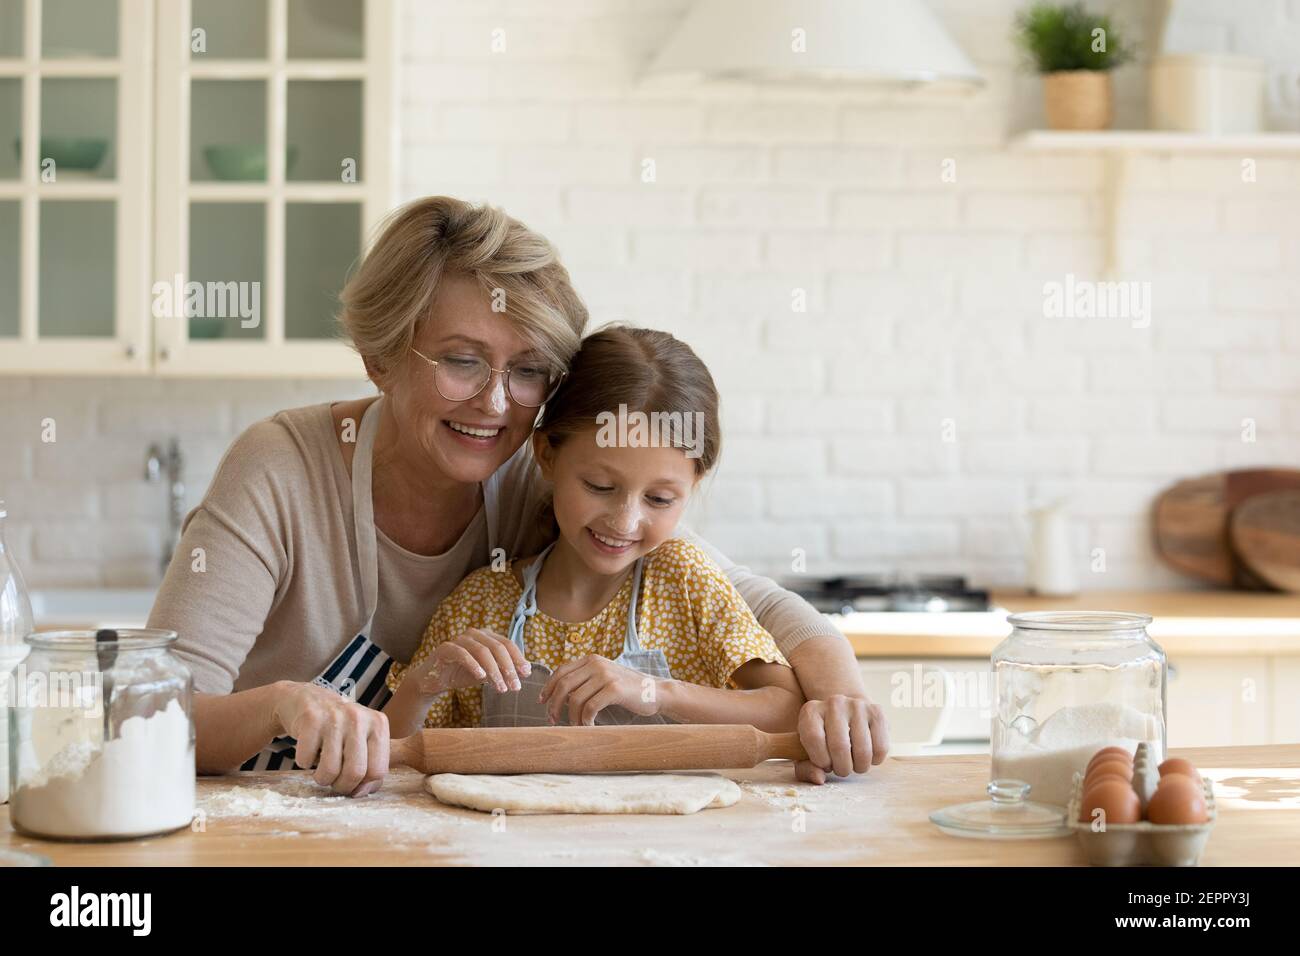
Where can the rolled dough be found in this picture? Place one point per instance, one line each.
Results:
(584, 793)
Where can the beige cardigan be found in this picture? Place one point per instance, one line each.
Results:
(264, 585)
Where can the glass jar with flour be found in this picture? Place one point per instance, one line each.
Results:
(16, 623)
(101, 744)
(1067, 684)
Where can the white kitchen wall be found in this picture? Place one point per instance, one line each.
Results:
(80, 512)
(924, 297)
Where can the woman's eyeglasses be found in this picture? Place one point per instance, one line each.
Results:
(458, 378)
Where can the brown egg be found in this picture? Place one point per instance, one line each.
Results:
(1179, 765)
(1096, 779)
(1116, 800)
(1103, 774)
(1102, 767)
(1178, 799)
(1106, 753)
(1181, 780)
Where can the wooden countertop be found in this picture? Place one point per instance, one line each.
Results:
(880, 818)
(1186, 623)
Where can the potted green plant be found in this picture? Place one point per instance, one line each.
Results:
(1074, 50)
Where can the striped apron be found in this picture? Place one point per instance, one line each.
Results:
(359, 670)
(521, 708)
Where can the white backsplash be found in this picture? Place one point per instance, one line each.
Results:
(924, 298)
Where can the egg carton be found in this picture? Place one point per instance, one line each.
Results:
(1143, 843)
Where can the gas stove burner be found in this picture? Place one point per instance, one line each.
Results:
(927, 593)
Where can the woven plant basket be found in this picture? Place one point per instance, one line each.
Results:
(1078, 99)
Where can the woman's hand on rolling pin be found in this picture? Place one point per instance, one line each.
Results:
(592, 683)
(843, 735)
(345, 741)
(473, 658)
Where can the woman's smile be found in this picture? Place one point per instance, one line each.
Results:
(476, 436)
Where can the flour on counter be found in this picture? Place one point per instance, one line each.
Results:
(662, 858)
(137, 783)
(1048, 756)
(265, 802)
(790, 798)
(306, 802)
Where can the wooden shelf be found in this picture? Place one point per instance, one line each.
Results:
(1155, 141)
(1118, 146)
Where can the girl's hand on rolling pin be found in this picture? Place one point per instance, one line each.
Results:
(473, 658)
(843, 735)
(592, 683)
(345, 741)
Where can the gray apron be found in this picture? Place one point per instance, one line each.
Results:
(359, 670)
(521, 708)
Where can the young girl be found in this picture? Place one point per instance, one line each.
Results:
(616, 621)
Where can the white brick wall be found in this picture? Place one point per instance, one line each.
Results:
(924, 297)
(81, 513)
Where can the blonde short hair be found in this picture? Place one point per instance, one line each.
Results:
(394, 289)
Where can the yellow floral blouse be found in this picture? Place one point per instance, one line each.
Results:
(688, 608)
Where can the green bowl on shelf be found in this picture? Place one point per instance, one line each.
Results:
(205, 327)
(69, 152)
(243, 163)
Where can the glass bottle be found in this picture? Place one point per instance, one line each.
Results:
(16, 622)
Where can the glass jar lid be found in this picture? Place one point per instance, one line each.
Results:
(121, 639)
(1079, 621)
(1007, 815)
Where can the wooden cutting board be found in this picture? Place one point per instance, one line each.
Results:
(1265, 533)
(1191, 522)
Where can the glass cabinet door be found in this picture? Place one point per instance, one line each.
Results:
(273, 166)
(75, 111)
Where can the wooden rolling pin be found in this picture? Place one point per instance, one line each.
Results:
(592, 749)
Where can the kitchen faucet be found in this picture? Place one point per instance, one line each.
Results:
(154, 466)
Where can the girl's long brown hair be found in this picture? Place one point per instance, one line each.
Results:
(644, 369)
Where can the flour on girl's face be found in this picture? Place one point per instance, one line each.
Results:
(632, 496)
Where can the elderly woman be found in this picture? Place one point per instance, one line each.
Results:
(330, 533)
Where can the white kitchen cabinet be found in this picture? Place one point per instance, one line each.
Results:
(250, 151)
(1213, 700)
(1221, 701)
(1286, 701)
(918, 698)
(1235, 701)
(76, 98)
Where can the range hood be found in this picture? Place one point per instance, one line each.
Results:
(892, 42)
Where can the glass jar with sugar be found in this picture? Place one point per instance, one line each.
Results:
(101, 744)
(1067, 684)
